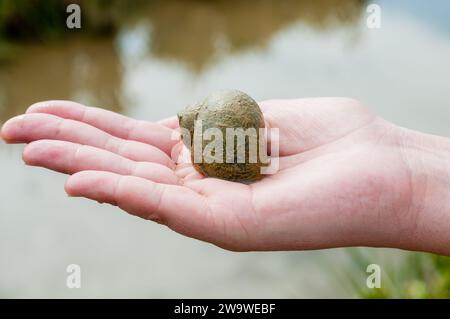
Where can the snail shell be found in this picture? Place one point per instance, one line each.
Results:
(230, 109)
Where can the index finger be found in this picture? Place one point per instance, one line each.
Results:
(113, 123)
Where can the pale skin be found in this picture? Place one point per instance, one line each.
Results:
(346, 178)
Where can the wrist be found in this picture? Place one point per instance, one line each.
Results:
(427, 158)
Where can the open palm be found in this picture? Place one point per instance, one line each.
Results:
(341, 181)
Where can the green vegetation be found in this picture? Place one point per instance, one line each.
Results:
(26, 19)
(39, 19)
(43, 20)
(417, 275)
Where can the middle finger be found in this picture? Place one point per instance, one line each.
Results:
(31, 127)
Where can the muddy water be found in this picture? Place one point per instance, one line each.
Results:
(173, 53)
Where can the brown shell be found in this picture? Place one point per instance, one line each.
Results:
(222, 110)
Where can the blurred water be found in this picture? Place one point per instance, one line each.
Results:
(171, 54)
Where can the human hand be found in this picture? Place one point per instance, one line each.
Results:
(344, 178)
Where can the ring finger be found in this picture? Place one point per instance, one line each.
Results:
(70, 158)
